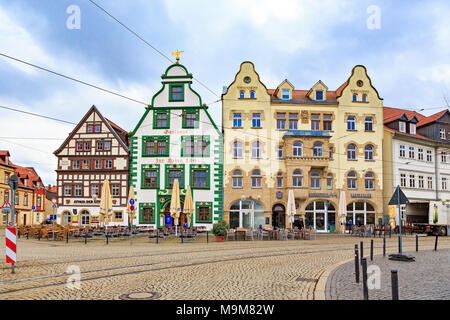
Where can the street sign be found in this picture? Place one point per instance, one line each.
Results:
(398, 193)
(53, 217)
(54, 201)
(168, 220)
(6, 205)
(33, 208)
(131, 201)
(132, 208)
(10, 235)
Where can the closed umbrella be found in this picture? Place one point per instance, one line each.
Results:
(188, 208)
(106, 202)
(175, 205)
(342, 211)
(290, 211)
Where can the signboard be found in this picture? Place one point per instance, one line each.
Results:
(10, 235)
(361, 195)
(323, 195)
(54, 201)
(131, 201)
(53, 217)
(168, 220)
(398, 193)
(6, 205)
(186, 225)
(33, 208)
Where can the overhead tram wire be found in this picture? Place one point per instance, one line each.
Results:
(36, 115)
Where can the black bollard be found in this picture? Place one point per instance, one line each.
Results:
(85, 238)
(435, 243)
(157, 236)
(384, 247)
(371, 250)
(39, 235)
(364, 271)
(394, 284)
(361, 251)
(399, 244)
(356, 264)
(18, 233)
(67, 237)
(27, 234)
(107, 239)
(182, 237)
(417, 242)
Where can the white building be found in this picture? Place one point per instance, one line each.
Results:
(176, 139)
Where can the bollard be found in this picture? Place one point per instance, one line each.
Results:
(371, 250)
(182, 237)
(384, 247)
(107, 239)
(435, 243)
(417, 242)
(361, 251)
(27, 235)
(399, 244)
(67, 237)
(394, 284)
(356, 264)
(364, 271)
(207, 240)
(39, 235)
(157, 236)
(18, 233)
(85, 238)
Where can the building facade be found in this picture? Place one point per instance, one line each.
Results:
(95, 151)
(316, 142)
(176, 138)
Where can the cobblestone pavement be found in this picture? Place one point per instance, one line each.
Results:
(255, 270)
(427, 278)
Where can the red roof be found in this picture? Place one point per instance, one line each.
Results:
(431, 118)
(419, 136)
(392, 114)
(4, 153)
(302, 95)
(26, 173)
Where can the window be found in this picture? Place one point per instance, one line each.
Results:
(195, 146)
(443, 157)
(237, 120)
(351, 152)
(252, 94)
(190, 120)
(25, 200)
(256, 120)
(67, 190)
(78, 190)
(297, 178)
(256, 150)
(369, 181)
(95, 190)
(319, 95)
(315, 180)
(67, 217)
(176, 93)
(331, 153)
(368, 124)
(118, 215)
(444, 183)
(402, 126)
(351, 123)
(412, 181)
(421, 185)
(237, 179)
(402, 151)
(175, 174)
(98, 164)
(368, 152)
(315, 122)
(98, 128)
(7, 177)
(85, 218)
(429, 156)
(403, 180)
(38, 201)
(203, 213)
(330, 181)
(318, 149)
(364, 97)
(280, 152)
(200, 178)
(90, 128)
(107, 146)
(280, 180)
(237, 150)
(162, 120)
(351, 180)
(412, 128)
(242, 94)
(256, 179)
(297, 150)
(411, 153)
(75, 164)
(87, 146)
(79, 146)
(430, 183)
(108, 164)
(115, 190)
(6, 196)
(156, 146)
(85, 164)
(293, 121)
(281, 121)
(327, 122)
(442, 134)
(147, 214)
(355, 97)
(285, 95)
(99, 145)
(150, 178)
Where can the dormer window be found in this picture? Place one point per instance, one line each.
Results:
(242, 94)
(412, 128)
(402, 126)
(355, 97)
(252, 94)
(364, 97)
(285, 95)
(319, 95)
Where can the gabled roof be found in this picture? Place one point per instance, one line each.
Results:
(318, 82)
(4, 153)
(418, 136)
(393, 114)
(432, 118)
(115, 129)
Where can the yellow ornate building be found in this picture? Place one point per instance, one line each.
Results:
(316, 142)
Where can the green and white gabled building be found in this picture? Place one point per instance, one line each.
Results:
(176, 138)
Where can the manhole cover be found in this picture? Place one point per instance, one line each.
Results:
(140, 296)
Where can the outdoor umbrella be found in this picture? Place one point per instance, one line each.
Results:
(188, 208)
(290, 210)
(175, 206)
(342, 211)
(105, 202)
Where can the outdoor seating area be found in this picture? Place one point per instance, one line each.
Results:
(381, 230)
(270, 234)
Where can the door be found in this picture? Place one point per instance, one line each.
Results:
(246, 219)
(320, 221)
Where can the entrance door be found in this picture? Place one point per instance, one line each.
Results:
(181, 219)
(246, 219)
(278, 216)
(320, 221)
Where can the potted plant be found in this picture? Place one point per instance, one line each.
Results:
(220, 230)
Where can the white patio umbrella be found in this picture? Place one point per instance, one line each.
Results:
(175, 205)
(188, 208)
(290, 210)
(342, 211)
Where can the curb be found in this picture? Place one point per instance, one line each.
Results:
(319, 291)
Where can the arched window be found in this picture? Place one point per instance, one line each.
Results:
(237, 149)
(351, 180)
(297, 178)
(256, 150)
(67, 217)
(368, 152)
(330, 181)
(256, 179)
(242, 94)
(237, 178)
(351, 123)
(355, 97)
(368, 124)
(252, 94)
(318, 149)
(351, 152)
(85, 218)
(297, 150)
(364, 97)
(315, 180)
(369, 181)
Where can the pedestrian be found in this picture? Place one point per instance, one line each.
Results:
(350, 225)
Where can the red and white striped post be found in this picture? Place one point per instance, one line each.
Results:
(11, 249)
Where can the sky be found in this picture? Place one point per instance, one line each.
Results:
(403, 44)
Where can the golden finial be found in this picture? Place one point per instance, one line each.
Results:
(177, 54)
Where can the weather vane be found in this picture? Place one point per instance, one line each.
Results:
(177, 54)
